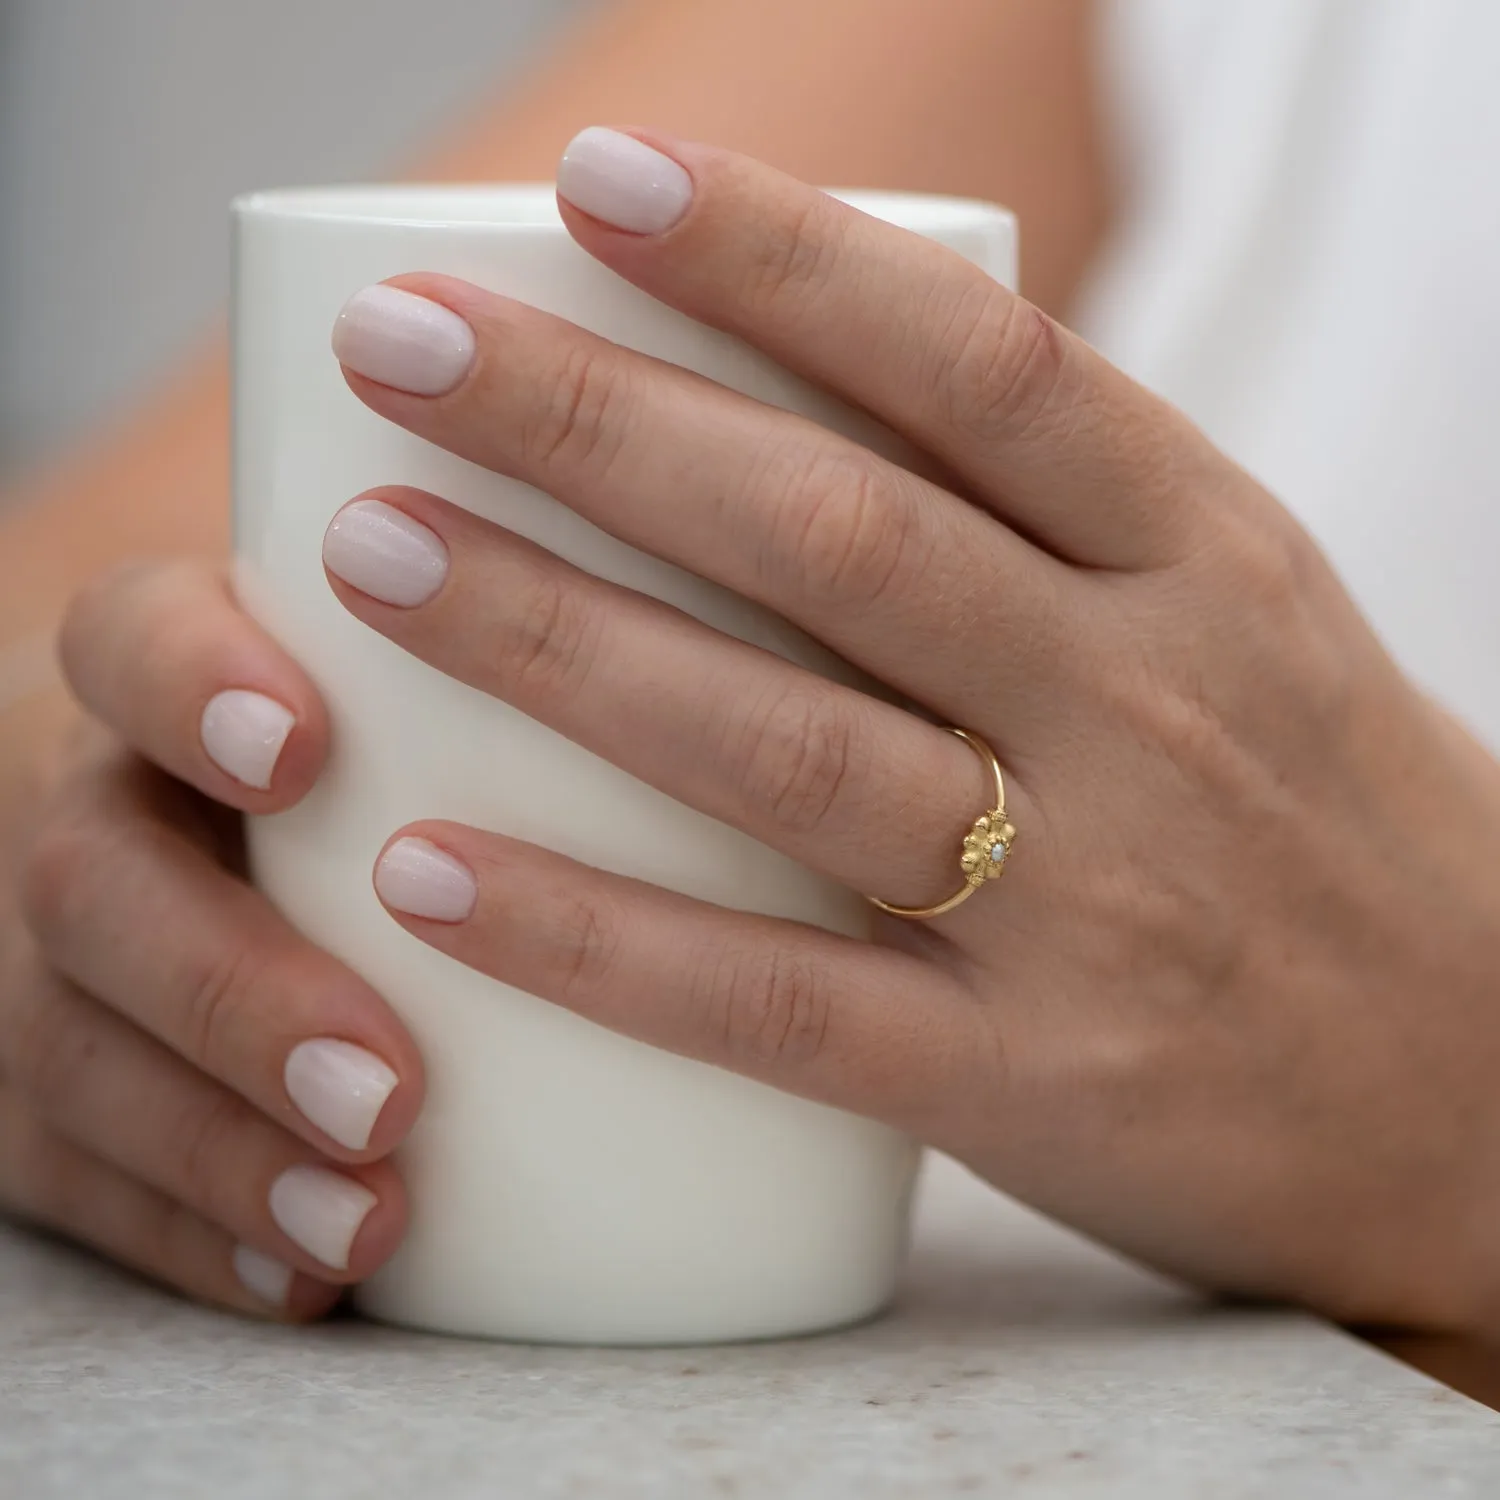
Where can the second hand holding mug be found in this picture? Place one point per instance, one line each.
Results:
(567, 1184)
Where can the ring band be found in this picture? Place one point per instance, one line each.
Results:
(986, 846)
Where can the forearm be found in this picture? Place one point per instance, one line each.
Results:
(995, 102)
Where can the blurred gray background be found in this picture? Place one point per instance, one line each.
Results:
(127, 125)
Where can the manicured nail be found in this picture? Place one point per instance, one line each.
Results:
(341, 1088)
(623, 181)
(243, 732)
(382, 552)
(265, 1279)
(422, 880)
(404, 341)
(320, 1210)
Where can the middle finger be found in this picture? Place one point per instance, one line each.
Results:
(894, 573)
(130, 910)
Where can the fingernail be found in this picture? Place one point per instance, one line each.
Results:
(270, 1281)
(382, 552)
(410, 343)
(341, 1088)
(242, 734)
(623, 181)
(422, 880)
(321, 1211)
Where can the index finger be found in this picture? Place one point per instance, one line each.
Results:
(163, 654)
(1039, 427)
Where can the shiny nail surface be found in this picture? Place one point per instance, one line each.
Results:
(267, 1280)
(409, 343)
(243, 734)
(382, 552)
(626, 183)
(321, 1211)
(421, 880)
(340, 1088)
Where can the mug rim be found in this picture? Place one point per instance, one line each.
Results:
(530, 206)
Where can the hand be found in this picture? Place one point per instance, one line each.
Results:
(185, 1083)
(1234, 1007)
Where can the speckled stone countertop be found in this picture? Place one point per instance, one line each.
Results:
(1020, 1362)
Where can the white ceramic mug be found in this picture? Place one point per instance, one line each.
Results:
(566, 1184)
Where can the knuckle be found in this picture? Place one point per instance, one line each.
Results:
(785, 270)
(54, 870)
(796, 757)
(554, 639)
(585, 940)
(1276, 564)
(1271, 571)
(578, 416)
(207, 1139)
(128, 604)
(844, 531)
(775, 1010)
(219, 991)
(169, 1241)
(1008, 360)
(90, 615)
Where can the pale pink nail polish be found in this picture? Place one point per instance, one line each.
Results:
(409, 343)
(382, 552)
(243, 734)
(421, 880)
(321, 1211)
(340, 1088)
(623, 181)
(267, 1280)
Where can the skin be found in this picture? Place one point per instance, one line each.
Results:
(1229, 1008)
(998, 102)
(146, 1012)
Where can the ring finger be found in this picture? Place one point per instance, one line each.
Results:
(849, 1023)
(840, 781)
(236, 992)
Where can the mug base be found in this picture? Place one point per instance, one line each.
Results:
(620, 1332)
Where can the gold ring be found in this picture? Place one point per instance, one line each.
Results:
(986, 848)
